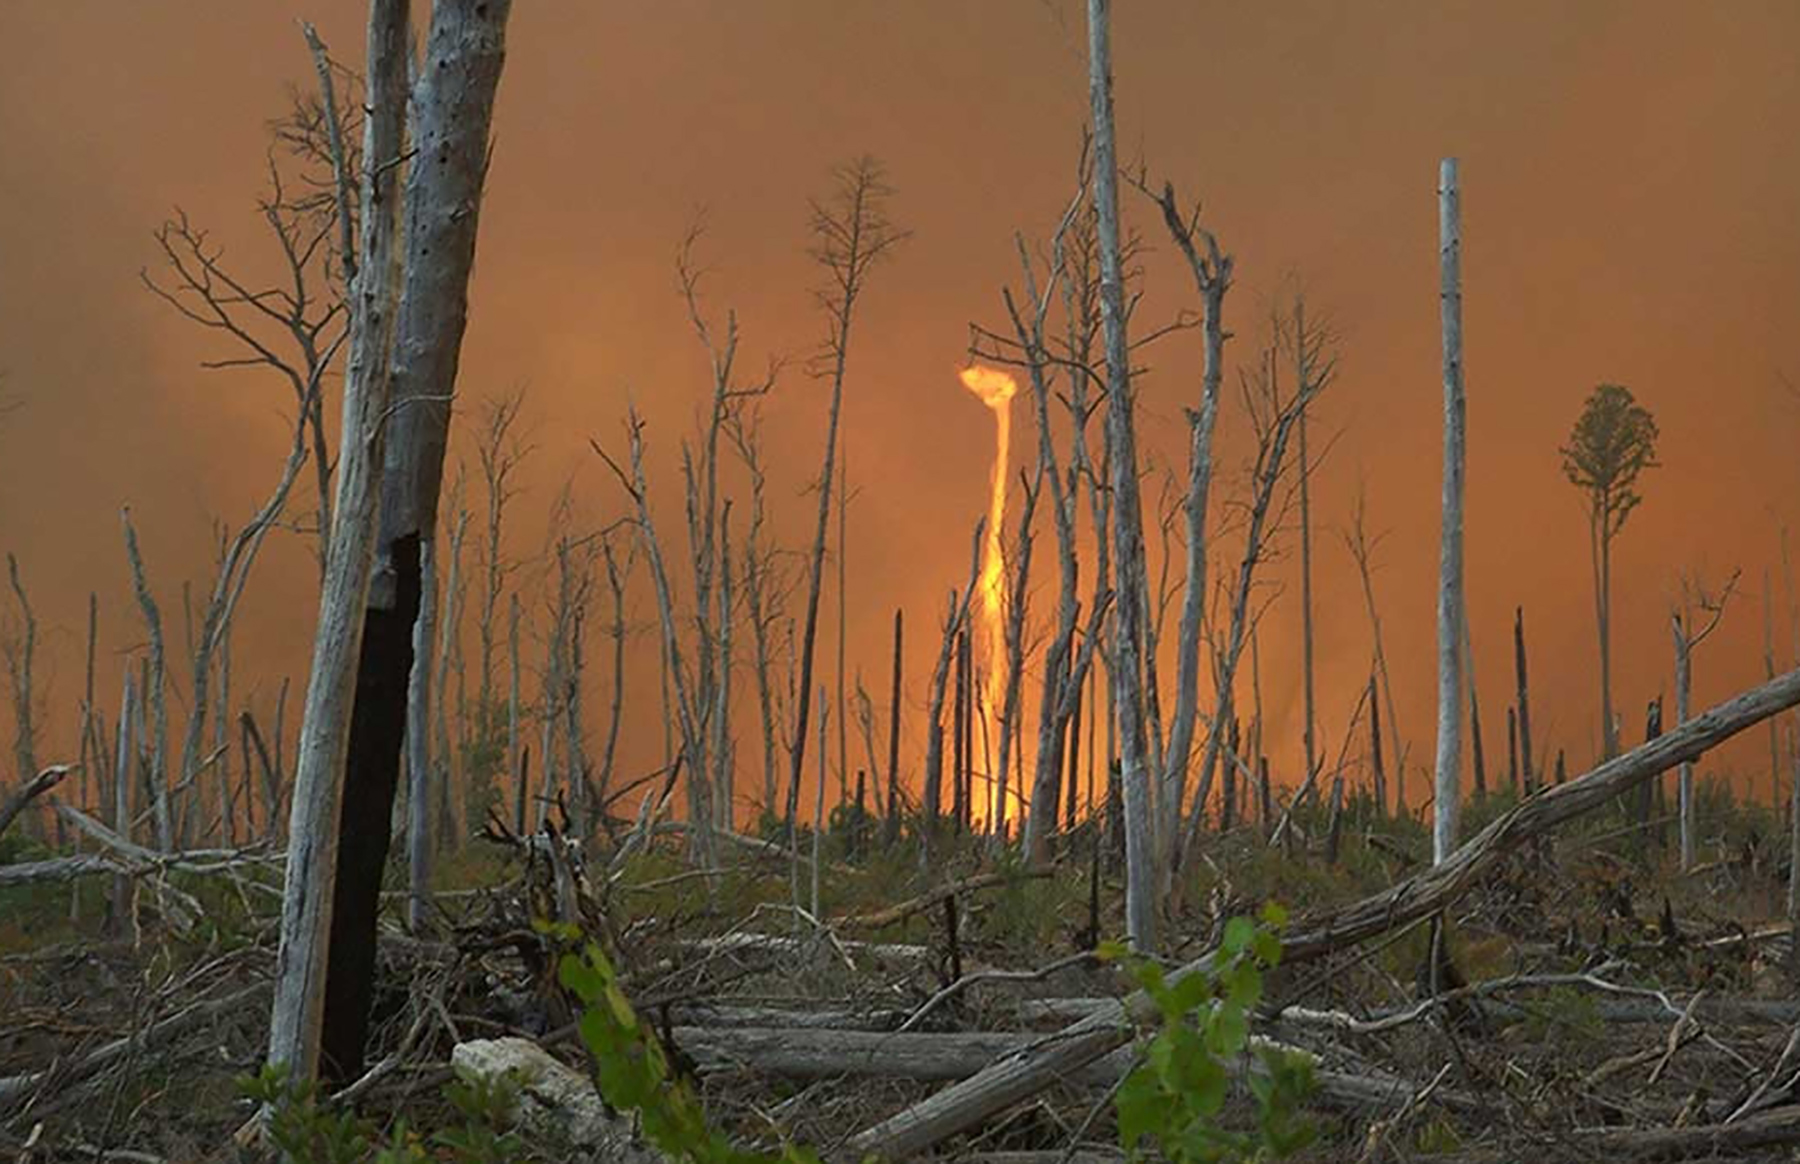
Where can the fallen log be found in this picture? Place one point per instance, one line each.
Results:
(811, 1055)
(800, 1016)
(1026, 1071)
(745, 942)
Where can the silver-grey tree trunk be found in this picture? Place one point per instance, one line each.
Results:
(152, 702)
(1450, 559)
(299, 1005)
(955, 617)
(1684, 657)
(387, 508)
(122, 771)
(1127, 521)
(1211, 269)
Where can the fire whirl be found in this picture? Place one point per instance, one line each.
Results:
(995, 389)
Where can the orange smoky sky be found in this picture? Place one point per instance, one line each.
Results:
(1631, 214)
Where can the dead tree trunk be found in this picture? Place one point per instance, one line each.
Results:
(550, 689)
(818, 830)
(725, 796)
(959, 733)
(1512, 750)
(1477, 756)
(451, 802)
(499, 453)
(1127, 521)
(758, 583)
(359, 715)
(308, 914)
(1062, 679)
(1309, 709)
(1274, 431)
(1015, 662)
(687, 716)
(1775, 798)
(1211, 269)
(1377, 764)
(1524, 702)
(120, 920)
(234, 573)
(1361, 548)
(1681, 624)
(615, 583)
(156, 743)
(843, 614)
(515, 706)
(956, 615)
(21, 659)
(452, 108)
(1450, 571)
(851, 234)
(891, 827)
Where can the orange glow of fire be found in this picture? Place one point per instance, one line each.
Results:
(995, 389)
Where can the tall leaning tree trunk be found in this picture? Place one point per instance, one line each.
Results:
(452, 108)
(308, 898)
(1127, 531)
(1450, 559)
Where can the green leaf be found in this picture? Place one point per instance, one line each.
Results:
(1190, 992)
(580, 978)
(1112, 950)
(1238, 932)
(1228, 1031)
(1140, 1108)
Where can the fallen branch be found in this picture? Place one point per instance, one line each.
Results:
(57, 869)
(979, 976)
(924, 901)
(30, 790)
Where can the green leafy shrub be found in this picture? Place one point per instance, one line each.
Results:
(1176, 1095)
(633, 1072)
(307, 1132)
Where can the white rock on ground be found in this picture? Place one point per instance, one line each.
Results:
(554, 1100)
